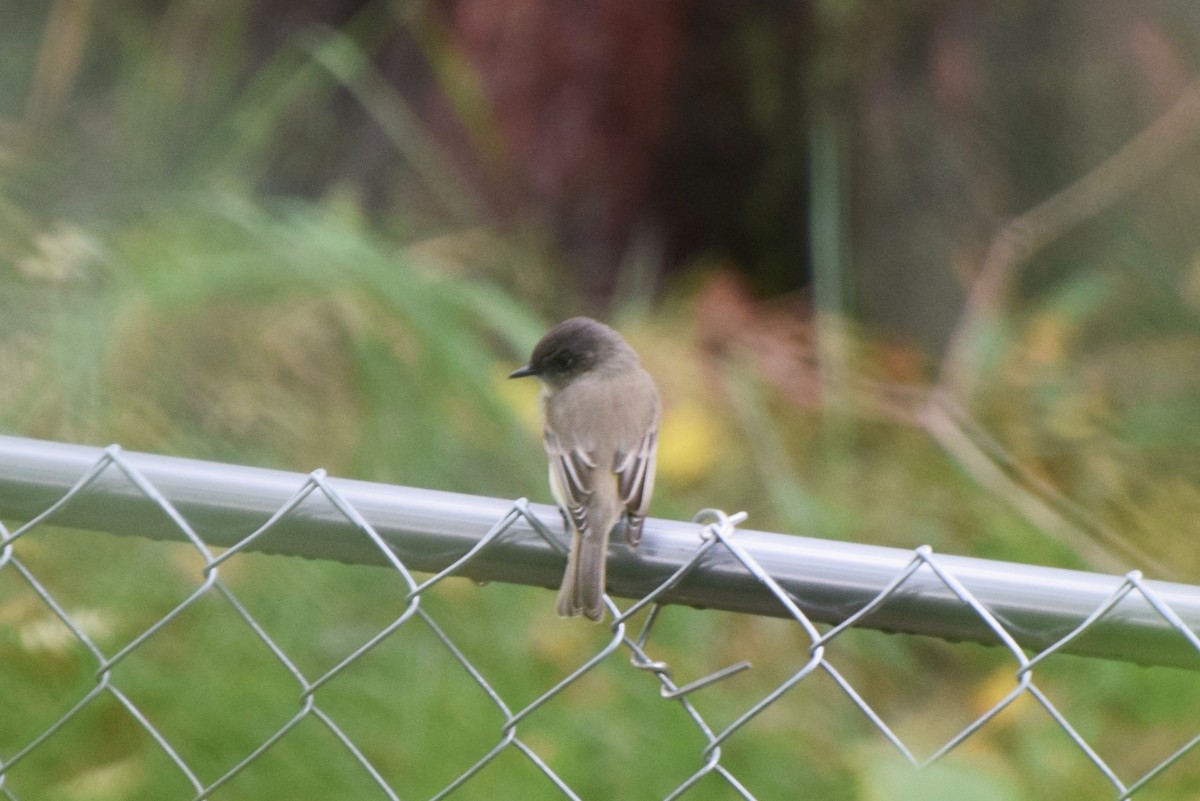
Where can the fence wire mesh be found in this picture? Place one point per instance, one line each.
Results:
(508, 730)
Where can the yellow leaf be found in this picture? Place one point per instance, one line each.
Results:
(522, 397)
(688, 443)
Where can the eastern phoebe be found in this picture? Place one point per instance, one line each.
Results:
(601, 433)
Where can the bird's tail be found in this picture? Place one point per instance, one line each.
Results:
(582, 591)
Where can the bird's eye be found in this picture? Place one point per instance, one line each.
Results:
(562, 362)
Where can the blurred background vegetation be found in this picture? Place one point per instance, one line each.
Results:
(319, 233)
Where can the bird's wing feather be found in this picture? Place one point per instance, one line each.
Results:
(569, 473)
(635, 480)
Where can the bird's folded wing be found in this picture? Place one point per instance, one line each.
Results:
(635, 481)
(570, 479)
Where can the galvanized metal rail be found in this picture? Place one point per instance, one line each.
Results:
(1122, 617)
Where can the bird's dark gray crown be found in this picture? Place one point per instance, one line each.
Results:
(574, 347)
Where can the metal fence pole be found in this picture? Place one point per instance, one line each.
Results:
(428, 530)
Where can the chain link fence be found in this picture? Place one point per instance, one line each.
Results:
(221, 513)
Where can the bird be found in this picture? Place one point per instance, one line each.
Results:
(601, 412)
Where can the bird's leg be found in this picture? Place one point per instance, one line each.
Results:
(623, 524)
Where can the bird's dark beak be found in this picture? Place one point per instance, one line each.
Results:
(522, 371)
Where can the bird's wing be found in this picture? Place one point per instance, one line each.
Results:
(570, 478)
(635, 480)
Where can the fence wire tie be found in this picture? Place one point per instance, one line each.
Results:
(663, 669)
(700, 723)
(521, 505)
(711, 678)
(722, 529)
(720, 519)
(711, 756)
(724, 535)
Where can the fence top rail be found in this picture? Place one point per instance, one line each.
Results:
(1149, 622)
